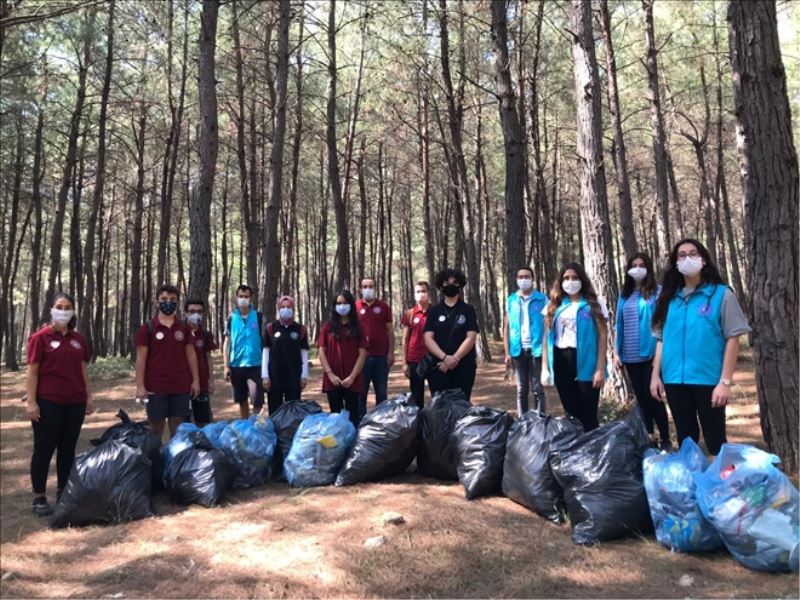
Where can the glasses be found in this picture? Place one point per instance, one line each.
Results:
(692, 254)
(194, 311)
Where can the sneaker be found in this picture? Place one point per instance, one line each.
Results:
(42, 508)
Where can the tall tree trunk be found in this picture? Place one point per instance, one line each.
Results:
(425, 154)
(768, 162)
(135, 297)
(200, 199)
(8, 243)
(38, 221)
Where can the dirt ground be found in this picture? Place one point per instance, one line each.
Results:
(278, 542)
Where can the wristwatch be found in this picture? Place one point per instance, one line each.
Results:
(725, 381)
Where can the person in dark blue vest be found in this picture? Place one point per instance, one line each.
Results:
(698, 322)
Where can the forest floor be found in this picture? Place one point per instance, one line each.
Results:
(278, 542)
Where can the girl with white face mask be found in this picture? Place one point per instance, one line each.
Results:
(697, 321)
(576, 333)
(635, 343)
(284, 361)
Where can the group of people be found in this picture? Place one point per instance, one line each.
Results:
(677, 341)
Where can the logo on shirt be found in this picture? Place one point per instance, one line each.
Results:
(442, 318)
(294, 335)
(179, 335)
(461, 319)
(254, 325)
(160, 335)
(416, 320)
(75, 344)
(585, 314)
(363, 311)
(277, 334)
(199, 344)
(704, 310)
(377, 310)
(55, 344)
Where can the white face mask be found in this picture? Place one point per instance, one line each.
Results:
(524, 284)
(285, 313)
(343, 309)
(690, 266)
(368, 294)
(638, 273)
(571, 286)
(421, 296)
(62, 317)
(195, 318)
(243, 302)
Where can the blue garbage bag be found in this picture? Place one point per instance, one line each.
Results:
(753, 506)
(179, 442)
(251, 444)
(670, 487)
(213, 431)
(320, 446)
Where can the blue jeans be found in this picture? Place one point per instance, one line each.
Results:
(376, 371)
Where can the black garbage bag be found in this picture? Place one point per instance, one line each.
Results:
(479, 438)
(386, 442)
(436, 454)
(601, 474)
(200, 474)
(286, 420)
(109, 483)
(137, 435)
(527, 478)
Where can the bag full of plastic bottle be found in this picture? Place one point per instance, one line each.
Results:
(251, 443)
(320, 446)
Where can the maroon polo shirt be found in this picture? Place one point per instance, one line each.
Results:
(373, 318)
(204, 343)
(342, 354)
(60, 358)
(167, 370)
(416, 341)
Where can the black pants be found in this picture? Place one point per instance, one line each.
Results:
(578, 398)
(653, 411)
(462, 377)
(240, 382)
(687, 403)
(276, 396)
(57, 429)
(342, 398)
(528, 374)
(416, 384)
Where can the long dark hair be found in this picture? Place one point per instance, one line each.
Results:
(673, 279)
(73, 322)
(353, 326)
(557, 294)
(649, 283)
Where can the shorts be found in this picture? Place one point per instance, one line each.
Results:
(201, 409)
(162, 406)
(246, 383)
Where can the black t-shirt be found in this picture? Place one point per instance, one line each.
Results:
(460, 318)
(285, 360)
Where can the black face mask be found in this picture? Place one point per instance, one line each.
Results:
(167, 307)
(450, 290)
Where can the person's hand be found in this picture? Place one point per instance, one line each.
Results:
(617, 362)
(265, 384)
(598, 379)
(390, 359)
(195, 389)
(303, 383)
(451, 362)
(33, 411)
(507, 360)
(210, 387)
(657, 388)
(334, 379)
(226, 373)
(721, 395)
(141, 392)
(545, 377)
(89, 405)
(442, 366)
(406, 370)
(348, 381)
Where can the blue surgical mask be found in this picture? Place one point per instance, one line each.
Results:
(167, 307)
(285, 313)
(343, 309)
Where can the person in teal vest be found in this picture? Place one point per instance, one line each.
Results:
(698, 322)
(523, 332)
(574, 357)
(635, 343)
(241, 352)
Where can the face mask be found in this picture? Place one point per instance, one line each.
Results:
(524, 284)
(167, 307)
(420, 296)
(571, 286)
(243, 302)
(61, 317)
(195, 318)
(638, 273)
(690, 266)
(285, 313)
(450, 290)
(343, 309)
(368, 294)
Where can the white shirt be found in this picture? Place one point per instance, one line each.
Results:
(525, 330)
(565, 328)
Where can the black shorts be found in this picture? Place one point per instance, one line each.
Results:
(201, 408)
(240, 378)
(162, 406)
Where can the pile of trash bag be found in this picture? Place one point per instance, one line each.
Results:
(527, 478)
(320, 447)
(286, 421)
(213, 432)
(251, 444)
(753, 506)
(179, 442)
(109, 483)
(669, 483)
(480, 447)
(436, 454)
(199, 474)
(386, 442)
(601, 475)
(137, 435)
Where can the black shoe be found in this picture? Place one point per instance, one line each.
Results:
(665, 445)
(42, 508)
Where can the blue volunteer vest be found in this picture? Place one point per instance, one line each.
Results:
(693, 343)
(245, 346)
(514, 312)
(647, 341)
(586, 336)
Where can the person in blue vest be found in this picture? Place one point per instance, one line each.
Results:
(635, 343)
(576, 331)
(241, 353)
(523, 331)
(697, 321)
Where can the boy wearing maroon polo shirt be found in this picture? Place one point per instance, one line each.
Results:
(166, 365)
(413, 322)
(203, 342)
(375, 317)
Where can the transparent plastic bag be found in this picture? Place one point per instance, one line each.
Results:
(319, 448)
